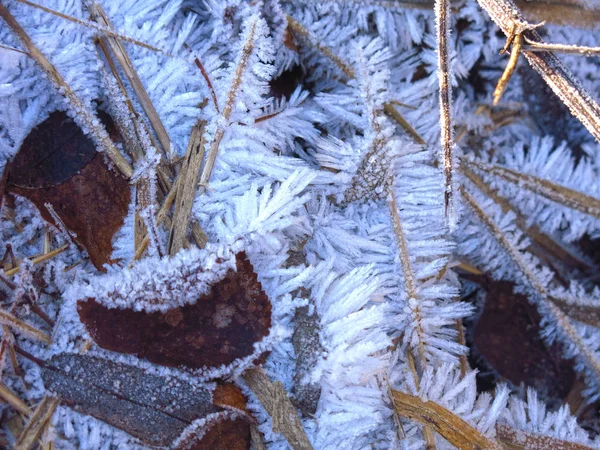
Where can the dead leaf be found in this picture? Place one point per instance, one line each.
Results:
(219, 328)
(155, 409)
(60, 165)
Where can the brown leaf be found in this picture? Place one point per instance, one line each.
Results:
(58, 164)
(219, 328)
(155, 409)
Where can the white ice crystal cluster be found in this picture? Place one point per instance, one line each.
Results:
(341, 167)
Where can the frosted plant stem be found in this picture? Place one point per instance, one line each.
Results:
(442, 17)
(560, 79)
(227, 110)
(82, 114)
(407, 271)
(555, 192)
(99, 15)
(561, 48)
(561, 320)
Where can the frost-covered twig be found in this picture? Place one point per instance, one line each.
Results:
(560, 79)
(540, 186)
(100, 16)
(442, 18)
(236, 83)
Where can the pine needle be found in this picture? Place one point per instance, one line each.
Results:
(17, 324)
(37, 423)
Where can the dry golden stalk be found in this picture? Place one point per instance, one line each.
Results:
(275, 400)
(298, 28)
(99, 15)
(560, 79)
(442, 14)
(7, 318)
(521, 440)
(451, 427)
(582, 313)
(510, 68)
(394, 114)
(37, 423)
(186, 189)
(83, 114)
(38, 259)
(555, 192)
(9, 397)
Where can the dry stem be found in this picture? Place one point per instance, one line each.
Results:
(560, 79)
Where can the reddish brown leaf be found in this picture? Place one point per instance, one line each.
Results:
(155, 409)
(58, 164)
(227, 395)
(219, 328)
(229, 434)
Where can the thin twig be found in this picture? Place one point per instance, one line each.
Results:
(9, 397)
(442, 17)
(560, 79)
(275, 400)
(551, 191)
(102, 30)
(532, 46)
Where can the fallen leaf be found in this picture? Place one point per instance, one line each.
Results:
(219, 328)
(60, 165)
(155, 409)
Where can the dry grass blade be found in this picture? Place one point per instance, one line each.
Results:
(87, 117)
(99, 15)
(582, 313)
(394, 114)
(186, 189)
(539, 238)
(9, 397)
(7, 318)
(521, 440)
(37, 423)
(560, 79)
(38, 259)
(540, 186)
(299, 29)
(451, 427)
(275, 400)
